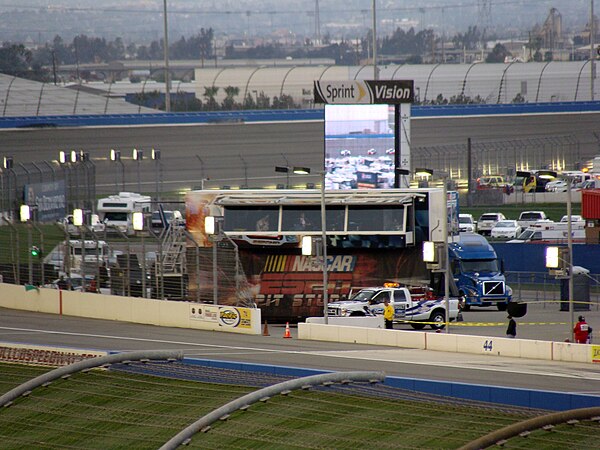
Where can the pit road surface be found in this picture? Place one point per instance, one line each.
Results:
(54, 330)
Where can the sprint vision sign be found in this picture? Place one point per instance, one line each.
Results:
(364, 92)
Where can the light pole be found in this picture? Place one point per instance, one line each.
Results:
(212, 227)
(445, 257)
(570, 262)
(375, 71)
(115, 155)
(156, 159)
(166, 53)
(74, 158)
(138, 225)
(25, 216)
(78, 222)
(8, 165)
(592, 52)
(138, 155)
(324, 249)
(62, 160)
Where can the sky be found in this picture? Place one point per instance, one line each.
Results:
(141, 20)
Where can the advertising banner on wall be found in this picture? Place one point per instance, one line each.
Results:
(48, 199)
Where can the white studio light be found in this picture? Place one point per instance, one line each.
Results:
(138, 221)
(307, 245)
(552, 257)
(78, 217)
(429, 252)
(209, 225)
(25, 213)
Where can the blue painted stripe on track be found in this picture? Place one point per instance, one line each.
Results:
(288, 115)
(553, 401)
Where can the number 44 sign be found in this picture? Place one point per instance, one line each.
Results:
(487, 345)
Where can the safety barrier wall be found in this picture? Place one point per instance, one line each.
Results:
(286, 115)
(129, 309)
(554, 401)
(456, 343)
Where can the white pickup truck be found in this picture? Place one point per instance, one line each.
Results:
(369, 301)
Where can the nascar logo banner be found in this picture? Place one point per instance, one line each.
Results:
(364, 92)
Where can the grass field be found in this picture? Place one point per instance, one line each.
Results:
(114, 410)
(49, 237)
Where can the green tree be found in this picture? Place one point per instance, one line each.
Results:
(468, 40)
(498, 54)
(210, 93)
(15, 59)
(229, 102)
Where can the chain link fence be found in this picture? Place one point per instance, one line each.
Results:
(500, 157)
(50, 188)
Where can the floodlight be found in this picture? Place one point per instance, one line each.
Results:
(429, 252)
(553, 257)
(423, 172)
(301, 170)
(138, 221)
(307, 245)
(78, 217)
(210, 225)
(25, 213)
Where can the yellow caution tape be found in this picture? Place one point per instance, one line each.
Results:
(477, 324)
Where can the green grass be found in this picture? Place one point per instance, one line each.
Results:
(51, 235)
(554, 211)
(112, 410)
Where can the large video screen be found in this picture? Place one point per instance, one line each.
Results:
(359, 146)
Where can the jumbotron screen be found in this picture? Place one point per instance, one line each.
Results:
(359, 146)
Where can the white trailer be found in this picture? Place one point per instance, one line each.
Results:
(116, 211)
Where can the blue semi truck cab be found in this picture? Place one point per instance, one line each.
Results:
(478, 274)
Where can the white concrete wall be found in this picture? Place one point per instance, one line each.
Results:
(132, 309)
(457, 343)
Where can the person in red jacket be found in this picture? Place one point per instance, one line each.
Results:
(581, 331)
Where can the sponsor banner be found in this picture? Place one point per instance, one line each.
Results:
(49, 199)
(235, 317)
(291, 286)
(595, 353)
(364, 92)
(45, 357)
(225, 316)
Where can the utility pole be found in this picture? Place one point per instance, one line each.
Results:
(375, 71)
(592, 52)
(166, 52)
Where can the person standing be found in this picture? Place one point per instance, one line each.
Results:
(511, 330)
(388, 314)
(581, 331)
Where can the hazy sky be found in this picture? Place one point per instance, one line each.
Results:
(142, 19)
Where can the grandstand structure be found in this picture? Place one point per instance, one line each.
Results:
(513, 82)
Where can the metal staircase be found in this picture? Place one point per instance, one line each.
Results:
(173, 251)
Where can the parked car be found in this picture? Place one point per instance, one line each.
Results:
(466, 223)
(528, 218)
(556, 186)
(574, 218)
(506, 229)
(490, 182)
(172, 217)
(487, 221)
